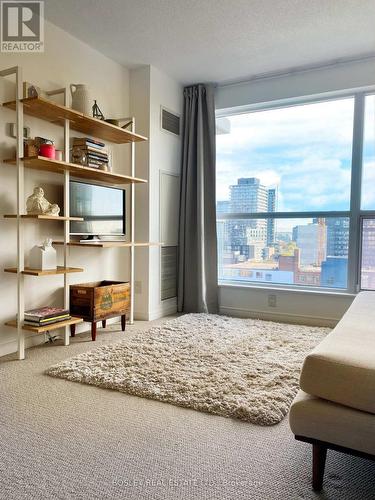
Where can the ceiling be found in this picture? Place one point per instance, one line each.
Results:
(220, 40)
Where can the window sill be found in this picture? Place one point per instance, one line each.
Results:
(275, 288)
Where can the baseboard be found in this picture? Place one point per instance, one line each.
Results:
(140, 316)
(165, 308)
(279, 316)
(11, 346)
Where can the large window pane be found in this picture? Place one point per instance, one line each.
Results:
(368, 255)
(306, 252)
(301, 153)
(368, 174)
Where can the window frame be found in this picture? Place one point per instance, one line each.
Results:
(355, 214)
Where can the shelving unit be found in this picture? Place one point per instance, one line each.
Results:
(108, 244)
(48, 165)
(57, 114)
(46, 328)
(42, 217)
(69, 119)
(46, 272)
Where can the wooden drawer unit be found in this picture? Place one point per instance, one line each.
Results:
(99, 301)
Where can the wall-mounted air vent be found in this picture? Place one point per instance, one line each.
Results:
(170, 121)
(168, 268)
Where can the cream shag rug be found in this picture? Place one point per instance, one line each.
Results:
(241, 368)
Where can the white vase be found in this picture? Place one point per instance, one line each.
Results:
(43, 258)
(81, 100)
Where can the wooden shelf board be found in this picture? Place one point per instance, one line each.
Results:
(42, 217)
(40, 272)
(46, 328)
(108, 244)
(42, 163)
(56, 113)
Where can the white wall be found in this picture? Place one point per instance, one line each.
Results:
(151, 89)
(66, 60)
(140, 109)
(308, 307)
(164, 156)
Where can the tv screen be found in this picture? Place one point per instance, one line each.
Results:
(103, 209)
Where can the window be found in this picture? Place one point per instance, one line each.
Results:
(285, 188)
(368, 176)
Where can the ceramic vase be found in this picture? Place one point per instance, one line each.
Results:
(81, 100)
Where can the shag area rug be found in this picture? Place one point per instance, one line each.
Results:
(240, 368)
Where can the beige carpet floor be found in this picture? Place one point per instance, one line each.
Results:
(60, 440)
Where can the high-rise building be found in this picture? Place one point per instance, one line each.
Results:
(368, 255)
(271, 207)
(250, 196)
(337, 236)
(311, 239)
(334, 272)
(222, 207)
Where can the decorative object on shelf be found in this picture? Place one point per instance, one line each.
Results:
(96, 112)
(30, 148)
(13, 131)
(59, 155)
(47, 152)
(31, 90)
(117, 122)
(47, 149)
(81, 98)
(89, 153)
(99, 301)
(38, 204)
(43, 256)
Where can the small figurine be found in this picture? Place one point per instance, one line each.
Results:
(96, 112)
(38, 205)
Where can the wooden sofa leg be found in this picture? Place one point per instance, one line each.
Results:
(319, 461)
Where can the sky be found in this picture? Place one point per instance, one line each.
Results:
(304, 151)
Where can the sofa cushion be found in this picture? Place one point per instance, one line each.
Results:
(337, 424)
(342, 367)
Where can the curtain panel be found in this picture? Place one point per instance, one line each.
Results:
(197, 261)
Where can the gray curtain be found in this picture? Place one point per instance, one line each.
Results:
(197, 266)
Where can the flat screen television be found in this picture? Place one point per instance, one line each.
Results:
(103, 209)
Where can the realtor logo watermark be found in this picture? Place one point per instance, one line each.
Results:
(22, 26)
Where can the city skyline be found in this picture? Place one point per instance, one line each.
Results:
(313, 252)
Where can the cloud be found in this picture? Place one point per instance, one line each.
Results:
(304, 150)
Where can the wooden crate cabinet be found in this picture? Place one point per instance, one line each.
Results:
(99, 301)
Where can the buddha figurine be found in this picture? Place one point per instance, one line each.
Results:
(37, 204)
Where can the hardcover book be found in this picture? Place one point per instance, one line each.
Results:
(45, 313)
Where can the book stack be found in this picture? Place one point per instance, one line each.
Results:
(46, 316)
(90, 153)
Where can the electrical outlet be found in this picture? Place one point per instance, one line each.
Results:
(272, 301)
(138, 286)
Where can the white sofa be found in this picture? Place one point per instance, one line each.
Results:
(335, 408)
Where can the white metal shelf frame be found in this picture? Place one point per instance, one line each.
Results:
(17, 72)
